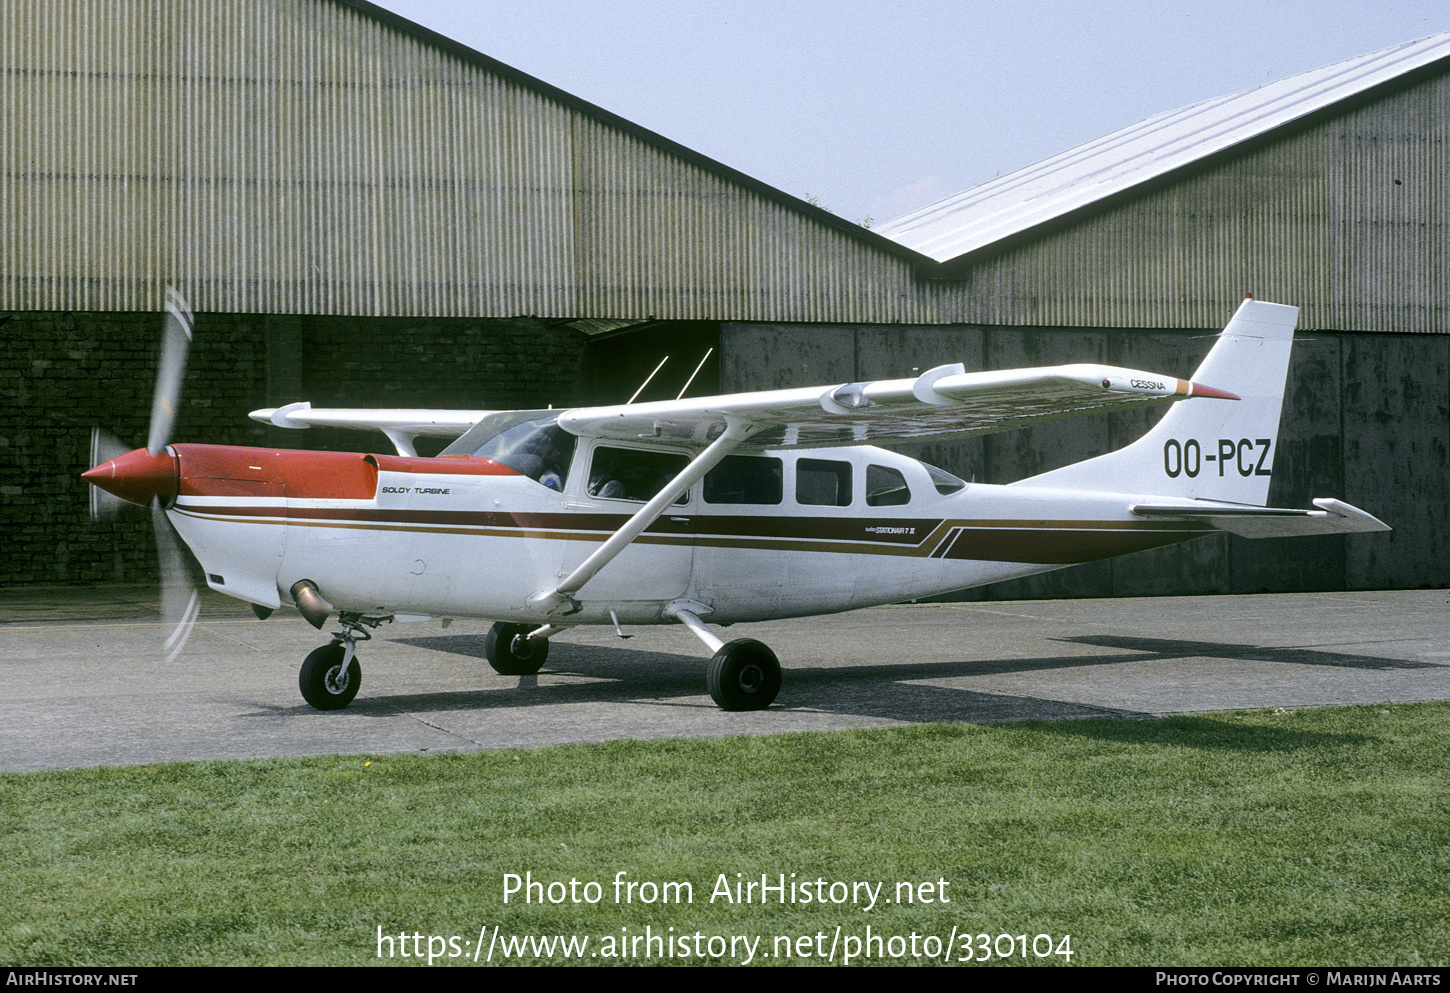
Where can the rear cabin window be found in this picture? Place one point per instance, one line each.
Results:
(745, 479)
(630, 474)
(885, 487)
(823, 483)
(946, 484)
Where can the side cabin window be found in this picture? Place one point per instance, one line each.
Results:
(885, 487)
(631, 474)
(823, 483)
(745, 479)
(946, 484)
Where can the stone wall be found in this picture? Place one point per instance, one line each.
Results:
(1366, 419)
(62, 373)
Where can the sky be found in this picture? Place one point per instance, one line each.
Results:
(873, 108)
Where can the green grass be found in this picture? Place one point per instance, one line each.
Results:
(1309, 837)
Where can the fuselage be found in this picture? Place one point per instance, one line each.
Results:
(780, 534)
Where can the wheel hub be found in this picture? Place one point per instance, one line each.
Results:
(751, 678)
(336, 680)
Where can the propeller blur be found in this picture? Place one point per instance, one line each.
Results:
(148, 477)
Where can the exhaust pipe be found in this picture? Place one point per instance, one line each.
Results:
(309, 601)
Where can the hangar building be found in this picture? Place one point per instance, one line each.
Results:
(365, 213)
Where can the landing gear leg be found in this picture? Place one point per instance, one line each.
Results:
(743, 675)
(330, 676)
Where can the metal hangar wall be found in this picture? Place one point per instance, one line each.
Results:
(360, 212)
(327, 157)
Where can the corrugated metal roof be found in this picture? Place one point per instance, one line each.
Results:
(1039, 194)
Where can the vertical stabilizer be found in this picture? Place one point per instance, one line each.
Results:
(1208, 448)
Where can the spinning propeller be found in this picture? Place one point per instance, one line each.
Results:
(149, 476)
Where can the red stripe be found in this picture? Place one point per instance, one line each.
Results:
(1051, 547)
(225, 470)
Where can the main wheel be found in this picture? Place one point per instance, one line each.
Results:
(512, 652)
(323, 681)
(743, 675)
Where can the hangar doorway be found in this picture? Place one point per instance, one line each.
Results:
(619, 359)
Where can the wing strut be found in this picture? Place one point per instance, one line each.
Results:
(548, 601)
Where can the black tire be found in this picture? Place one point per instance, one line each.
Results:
(319, 681)
(743, 675)
(512, 653)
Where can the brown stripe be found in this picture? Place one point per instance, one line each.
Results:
(1037, 542)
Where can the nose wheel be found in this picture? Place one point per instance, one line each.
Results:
(330, 676)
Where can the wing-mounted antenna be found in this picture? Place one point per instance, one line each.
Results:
(708, 352)
(647, 379)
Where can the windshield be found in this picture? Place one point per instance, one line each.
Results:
(527, 443)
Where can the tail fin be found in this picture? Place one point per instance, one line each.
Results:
(1208, 448)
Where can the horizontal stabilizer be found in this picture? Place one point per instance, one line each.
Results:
(1332, 517)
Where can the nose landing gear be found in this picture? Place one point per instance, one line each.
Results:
(330, 676)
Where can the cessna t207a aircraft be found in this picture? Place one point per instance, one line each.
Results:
(703, 511)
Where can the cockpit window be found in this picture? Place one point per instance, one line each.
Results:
(530, 445)
(631, 474)
(946, 484)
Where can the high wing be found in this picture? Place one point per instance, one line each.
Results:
(946, 402)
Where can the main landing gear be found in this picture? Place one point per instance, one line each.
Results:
(743, 675)
(512, 652)
(330, 676)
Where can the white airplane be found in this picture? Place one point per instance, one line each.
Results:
(720, 509)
